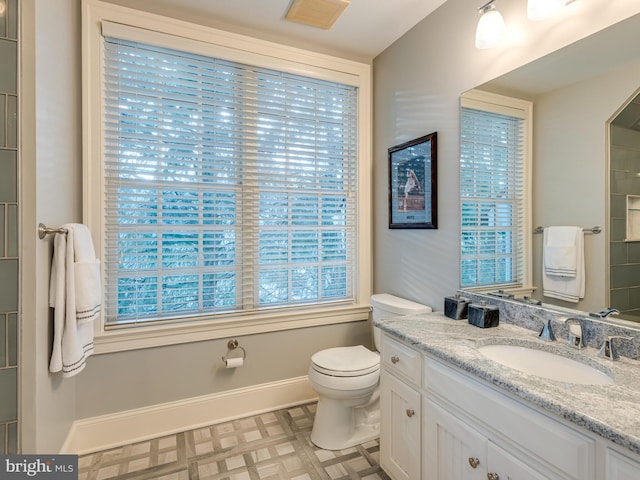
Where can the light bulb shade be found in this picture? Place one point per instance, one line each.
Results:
(490, 29)
(541, 9)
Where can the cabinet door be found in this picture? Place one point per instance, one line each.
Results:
(621, 467)
(505, 466)
(452, 450)
(399, 429)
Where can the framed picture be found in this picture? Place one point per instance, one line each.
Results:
(413, 195)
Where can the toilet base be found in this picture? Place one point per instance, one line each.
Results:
(337, 427)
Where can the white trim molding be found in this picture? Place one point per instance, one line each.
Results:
(123, 339)
(93, 434)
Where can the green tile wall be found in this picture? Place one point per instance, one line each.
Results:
(9, 208)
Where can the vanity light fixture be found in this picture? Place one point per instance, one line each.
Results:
(491, 26)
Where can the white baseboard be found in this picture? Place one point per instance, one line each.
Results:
(108, 431)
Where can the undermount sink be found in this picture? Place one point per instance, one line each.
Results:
(545, 364)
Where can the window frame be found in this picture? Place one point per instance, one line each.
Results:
(520, 108)
(151, 28)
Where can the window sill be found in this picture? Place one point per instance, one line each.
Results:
(520, 291)
(136, 338)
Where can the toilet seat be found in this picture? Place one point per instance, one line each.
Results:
(346, 361)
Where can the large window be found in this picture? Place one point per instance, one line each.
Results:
(228, 187)
(494, 191)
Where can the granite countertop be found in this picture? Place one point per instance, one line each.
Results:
(611, 411)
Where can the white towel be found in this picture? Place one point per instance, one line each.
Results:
(560, 250)
(563, 286)
(75, 293)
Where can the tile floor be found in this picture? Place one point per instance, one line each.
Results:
(271, 446)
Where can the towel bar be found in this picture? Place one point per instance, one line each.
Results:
(43, 230)
(595, 230)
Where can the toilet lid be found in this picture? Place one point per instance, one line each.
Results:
(346, 361)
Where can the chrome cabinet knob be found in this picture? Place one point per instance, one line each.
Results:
(493, 476)
(410, 412)
(474, 462)
(394, 359)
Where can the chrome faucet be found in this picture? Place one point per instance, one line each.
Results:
(607, 350)
(574, 337)
(546, 333)
(605, 313)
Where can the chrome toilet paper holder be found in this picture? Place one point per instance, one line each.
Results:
(231, 346)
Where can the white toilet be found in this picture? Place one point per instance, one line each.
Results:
(346, 380)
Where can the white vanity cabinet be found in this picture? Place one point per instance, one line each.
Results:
(441, 423)
(400, 398)
(518, 438)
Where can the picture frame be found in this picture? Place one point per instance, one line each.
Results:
(413, 196)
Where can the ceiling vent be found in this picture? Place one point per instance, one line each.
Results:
(317, 13)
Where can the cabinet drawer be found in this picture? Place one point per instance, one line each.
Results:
(510, 422)
(402, 360)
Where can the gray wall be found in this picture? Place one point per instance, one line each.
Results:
(51, 184)
(9, 207)
(417, 84)
(139, 378)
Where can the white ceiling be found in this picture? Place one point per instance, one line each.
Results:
(365, 29)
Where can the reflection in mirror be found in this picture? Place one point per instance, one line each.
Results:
(624, 247)
(576, 92)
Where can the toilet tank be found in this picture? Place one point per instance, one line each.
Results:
(385, 305)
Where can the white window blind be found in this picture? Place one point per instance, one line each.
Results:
(492, 198)
(228, 188)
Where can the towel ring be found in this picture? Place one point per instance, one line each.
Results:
(233, 345)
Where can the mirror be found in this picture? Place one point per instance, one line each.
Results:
(577, 92)
(624, 201)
